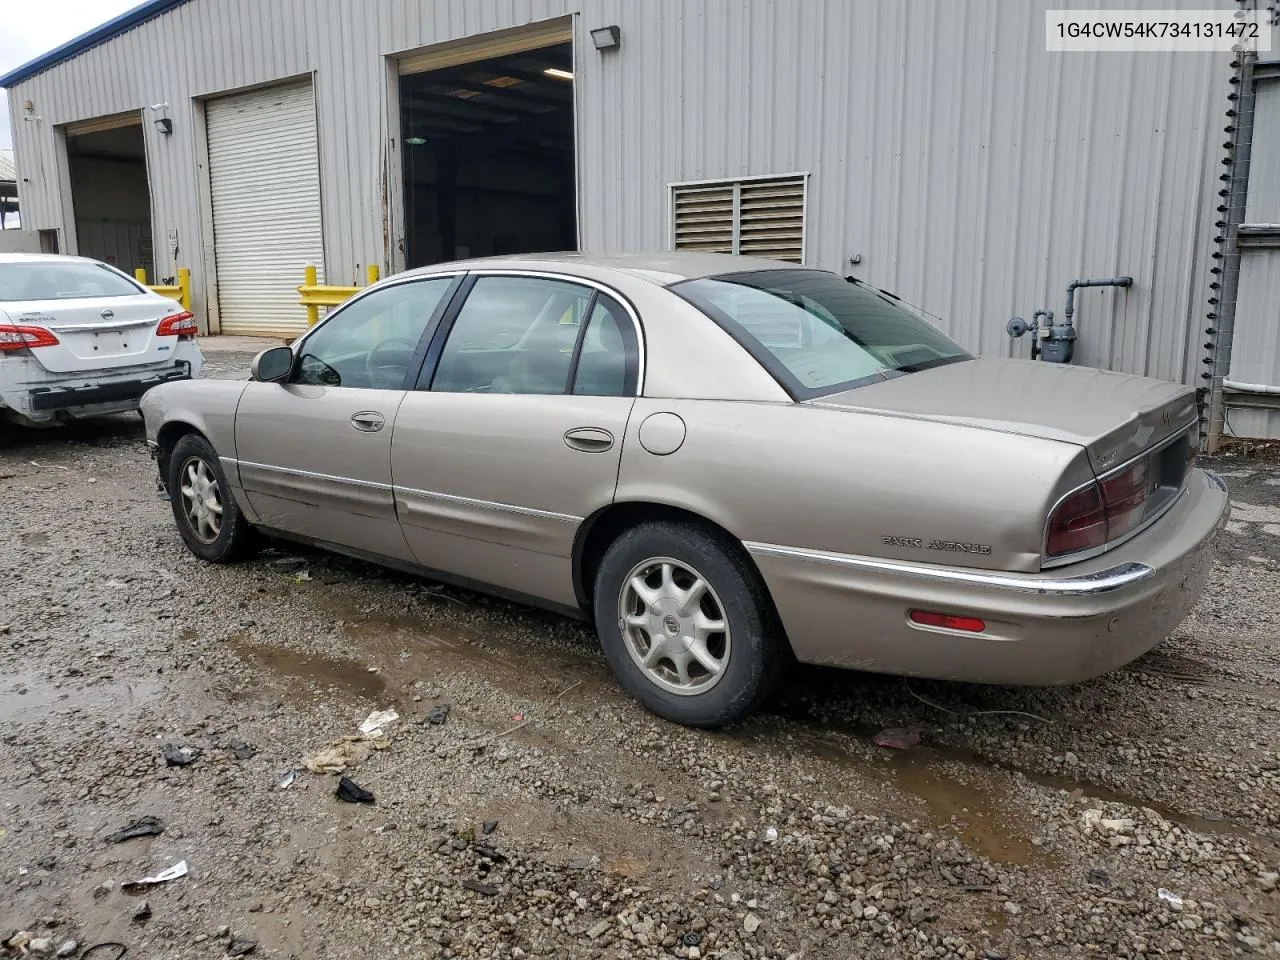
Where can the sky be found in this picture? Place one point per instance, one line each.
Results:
(32, 28)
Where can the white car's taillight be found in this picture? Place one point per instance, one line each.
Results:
(178, 325)
(1101, 512)
(14, 337)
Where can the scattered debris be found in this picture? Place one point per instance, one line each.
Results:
(898, 738)
(345, 752)
(107, 945)
(379, 719)
(692, 939)
(68, 949)
(517, 717)
(103, 889)
(142, 827)
(438, 714)
(488, 827)
(484, 889)
(1092, 821)
(771, 835)
(180, 756)
(352, 792)
(286, 779)
(1170, 897)
(484, 850)
(174, 872)
(240, 947)
(1098, 877)
(241, 750)
(751, 923)
(142, 912)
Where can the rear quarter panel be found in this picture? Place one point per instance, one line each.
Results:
(842, 481)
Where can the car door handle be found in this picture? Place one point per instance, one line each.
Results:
(589, 439)
(370, 421)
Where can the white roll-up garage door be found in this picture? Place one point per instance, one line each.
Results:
(265, 177)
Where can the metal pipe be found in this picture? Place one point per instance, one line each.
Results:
(1250, 387)
(1238, 194)
(1071, 291)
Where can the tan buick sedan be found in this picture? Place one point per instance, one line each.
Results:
(717, 460)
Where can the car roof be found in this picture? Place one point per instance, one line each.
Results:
(662, 268)
(43, 257)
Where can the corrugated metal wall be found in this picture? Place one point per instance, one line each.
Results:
(973, 172)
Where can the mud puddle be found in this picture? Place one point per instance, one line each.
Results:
(960, 789)
(309, 676)
(28, 697)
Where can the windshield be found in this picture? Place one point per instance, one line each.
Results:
(61, 280)
(819, 333)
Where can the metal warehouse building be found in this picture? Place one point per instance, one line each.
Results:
(932, 148)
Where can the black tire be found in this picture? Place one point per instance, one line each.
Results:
(753, 647)
(235, 538)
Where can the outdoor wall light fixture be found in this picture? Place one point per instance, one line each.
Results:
(606, 38)
(163, 124)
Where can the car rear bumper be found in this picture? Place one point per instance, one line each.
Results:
(119, 392)
(1055, 627)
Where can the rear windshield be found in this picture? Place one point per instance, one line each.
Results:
(818, 333)
(61, 280)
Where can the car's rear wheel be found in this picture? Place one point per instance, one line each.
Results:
(208, 518)
(686, 623)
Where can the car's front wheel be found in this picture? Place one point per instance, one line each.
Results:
(208, 518)
(686, 623)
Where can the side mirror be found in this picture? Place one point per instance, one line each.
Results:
(273, 365)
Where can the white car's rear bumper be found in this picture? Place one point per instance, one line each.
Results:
(28, 389)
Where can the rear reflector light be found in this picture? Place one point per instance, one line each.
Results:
(13, 337)
(947, 621)
(179, 325)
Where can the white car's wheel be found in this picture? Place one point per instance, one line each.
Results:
(686, 623)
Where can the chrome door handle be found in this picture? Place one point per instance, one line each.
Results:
(589, 439)
(370, 421)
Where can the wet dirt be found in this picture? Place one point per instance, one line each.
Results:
(308, 676)
(28, 697)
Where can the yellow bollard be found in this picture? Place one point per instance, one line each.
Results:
(140, 274)
(372, 274)
(309, 280)
(184, 287)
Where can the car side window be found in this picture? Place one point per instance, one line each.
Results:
(609, 356)
(513, 335)
(370, 344)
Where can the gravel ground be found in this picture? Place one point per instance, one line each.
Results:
(1133, 816)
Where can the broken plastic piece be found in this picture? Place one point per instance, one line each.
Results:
(174, 872)
(1169, 897)
(438, 714)
(352, 792)
(287, 778)
(377, 720)
(142, 827)
(178, 756)
(898, 738)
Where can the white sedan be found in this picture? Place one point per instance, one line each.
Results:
(79, 338)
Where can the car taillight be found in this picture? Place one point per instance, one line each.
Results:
(1126, 495)
(948, 621)
(1078, 523)
(14, 337)
(178, 325)
(1101, 512)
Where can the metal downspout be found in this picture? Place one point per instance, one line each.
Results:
(1222, 313)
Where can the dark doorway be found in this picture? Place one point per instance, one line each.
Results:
(489, 157)
(111, 198)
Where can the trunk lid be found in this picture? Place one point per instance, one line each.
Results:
(99, 333)
(1114, 416)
